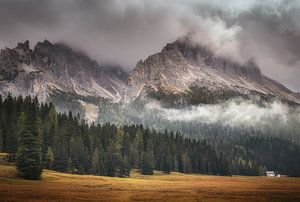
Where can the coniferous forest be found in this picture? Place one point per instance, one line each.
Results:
(36, 136)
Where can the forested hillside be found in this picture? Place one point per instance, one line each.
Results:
(68, 144)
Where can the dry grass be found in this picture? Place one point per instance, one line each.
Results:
(160, 187)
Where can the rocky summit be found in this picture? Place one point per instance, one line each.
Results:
(55, 68)
(187, 73)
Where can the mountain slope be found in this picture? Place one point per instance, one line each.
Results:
(183, 72)
(51, 68)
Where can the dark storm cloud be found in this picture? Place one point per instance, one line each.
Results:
(123, 32)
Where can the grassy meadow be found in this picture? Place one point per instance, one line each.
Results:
(56, 186)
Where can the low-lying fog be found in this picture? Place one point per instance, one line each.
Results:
(233, 113)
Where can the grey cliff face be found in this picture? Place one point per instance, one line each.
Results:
(183, 70)
(50, 68)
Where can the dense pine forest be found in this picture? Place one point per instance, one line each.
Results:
(36, 136)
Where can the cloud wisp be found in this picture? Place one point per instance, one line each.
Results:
(233, 113)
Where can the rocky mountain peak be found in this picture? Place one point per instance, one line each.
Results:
(23, 46)
(188, 69)
(52, 68)
(12, 59)
(201, 56)
(44, 44)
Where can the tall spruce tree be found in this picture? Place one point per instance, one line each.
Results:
(136, 149)
(147, 162)
(166, 165)
(29, 154)
(186, 164)
(110, 161)
(49, 158)
(60, 150)
(97, 163)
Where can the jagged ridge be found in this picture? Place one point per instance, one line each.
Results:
(185, 71)
(182, 73)
(51, 67)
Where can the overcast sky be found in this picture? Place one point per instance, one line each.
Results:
(124, 32)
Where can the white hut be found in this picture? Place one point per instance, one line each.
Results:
(270, 173)
(279, 175)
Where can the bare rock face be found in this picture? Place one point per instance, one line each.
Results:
(51, 68)
(183, 72)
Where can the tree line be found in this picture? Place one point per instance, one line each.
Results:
(36, 136)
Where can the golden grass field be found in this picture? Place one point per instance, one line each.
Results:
(56, 186)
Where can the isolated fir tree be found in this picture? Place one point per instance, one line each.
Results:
(29, 155)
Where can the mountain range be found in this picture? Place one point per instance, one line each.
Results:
(181, 74)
